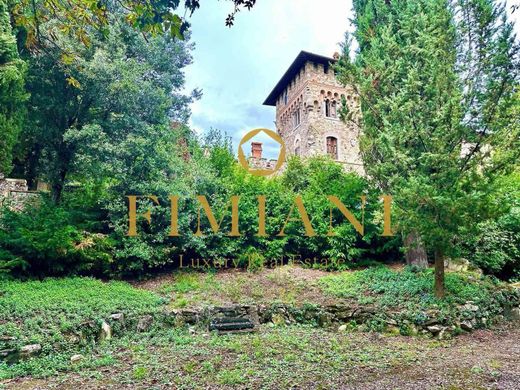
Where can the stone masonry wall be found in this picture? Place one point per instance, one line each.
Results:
(14, 191)
(307, 93)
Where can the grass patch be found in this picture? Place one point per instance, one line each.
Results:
(388, 288)
(271, 358)
(45, 311)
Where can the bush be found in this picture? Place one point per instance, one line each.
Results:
(44, 240)
(87, 232)
(496, 249)
(494, 245)
(409, 289)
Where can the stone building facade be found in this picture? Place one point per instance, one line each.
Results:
(307, 100)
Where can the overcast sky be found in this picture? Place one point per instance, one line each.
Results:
(237, 67)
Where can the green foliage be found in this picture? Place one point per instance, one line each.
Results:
(496, 247)
(437, 93)
(12, 92)
(84, 19)
(45, 239)
(387, 288)
(101, 113)
(494, 244)
(53, 310)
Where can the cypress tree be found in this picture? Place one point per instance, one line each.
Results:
(435, 85)
(12, 92)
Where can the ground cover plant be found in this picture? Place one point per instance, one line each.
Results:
(58, 314)
(53, 310)
(280, 357)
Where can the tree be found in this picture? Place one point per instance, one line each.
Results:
(437, 82)
(12, 92)
(78, 18)
(119, 88)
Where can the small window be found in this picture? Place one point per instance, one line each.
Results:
(296, 117)
(297, 148)
(285, 97)
(315, 66)
(332, 147)
(330, 108)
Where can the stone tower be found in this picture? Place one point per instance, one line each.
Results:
(307, 100)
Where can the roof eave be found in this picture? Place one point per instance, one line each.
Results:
(301, 58)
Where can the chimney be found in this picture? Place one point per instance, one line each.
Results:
(256, 150)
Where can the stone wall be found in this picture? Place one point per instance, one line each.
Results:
(15, 191)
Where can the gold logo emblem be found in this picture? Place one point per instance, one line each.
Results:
(261, 172)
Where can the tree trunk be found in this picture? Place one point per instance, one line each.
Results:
(439, 274)
(415, 254)
(58, 185)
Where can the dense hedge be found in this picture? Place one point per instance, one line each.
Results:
(86, 233)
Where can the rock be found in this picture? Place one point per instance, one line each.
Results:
(457, 265)
(469, 306)
(191, 330)
(117, 317)
(278, 319)
(252, 311)
(466, 325)
(28, 351)
(391, 321)
(434, 329)
(190, 317)
(105, 333)
(145, 323)
(324, 319)
(342, 328)
(9, 355)
(443, 334)
(515, 314)
(76, 358)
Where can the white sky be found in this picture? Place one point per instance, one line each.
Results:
(237, 67)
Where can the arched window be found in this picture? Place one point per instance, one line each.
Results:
(332, 147)
(327, 108)
(330, 108)
(297, 148)
(296, 117)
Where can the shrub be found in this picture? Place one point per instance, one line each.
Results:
(44, 240)
(496, 249)
(494, 245)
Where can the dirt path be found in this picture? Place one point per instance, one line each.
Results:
(482, 360)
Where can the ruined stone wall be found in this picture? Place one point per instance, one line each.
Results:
(307, 93)
(15, 191)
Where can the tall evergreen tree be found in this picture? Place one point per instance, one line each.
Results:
(12, 93)
(436, 79)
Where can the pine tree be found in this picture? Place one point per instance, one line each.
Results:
(435, 79)
(12, 92)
